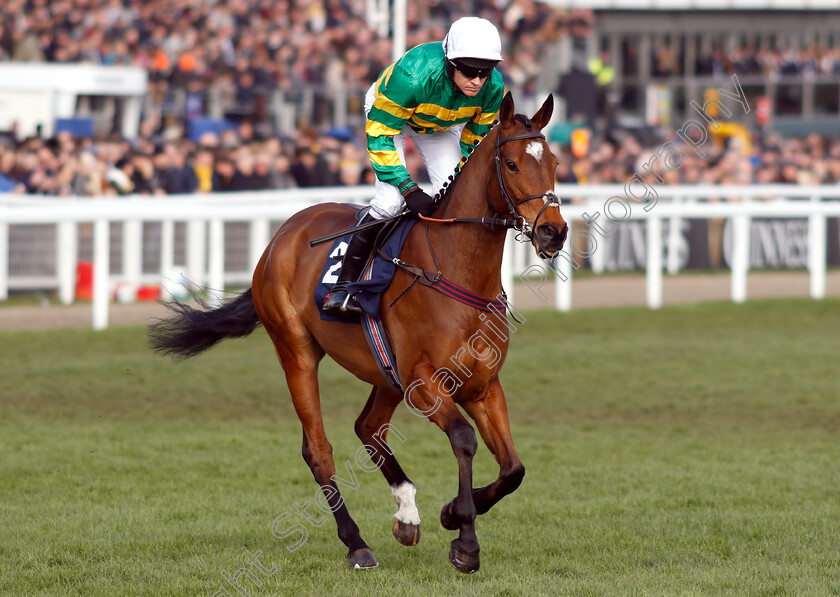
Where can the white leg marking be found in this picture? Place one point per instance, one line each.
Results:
(535, 149)
(404, 497)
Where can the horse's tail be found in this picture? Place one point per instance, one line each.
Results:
(192, 331)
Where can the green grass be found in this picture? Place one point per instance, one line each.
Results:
(689, 451)
(27, 299)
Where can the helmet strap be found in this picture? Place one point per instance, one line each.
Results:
(450, 73)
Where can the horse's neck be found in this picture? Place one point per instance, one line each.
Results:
(471, 252)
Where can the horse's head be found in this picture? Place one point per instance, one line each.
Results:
(524, 169)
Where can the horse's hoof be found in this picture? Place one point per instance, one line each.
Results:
(447, 517)
(362, 559)
(407, 533)
(463, 561)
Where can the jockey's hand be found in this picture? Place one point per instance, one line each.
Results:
(419, 202)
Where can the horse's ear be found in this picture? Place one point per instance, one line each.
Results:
(543, 115)
(506, 111)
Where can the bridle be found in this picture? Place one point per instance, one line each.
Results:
(549, 198)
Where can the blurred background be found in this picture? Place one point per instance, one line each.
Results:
(261, 99)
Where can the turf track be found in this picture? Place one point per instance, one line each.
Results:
(693, 450)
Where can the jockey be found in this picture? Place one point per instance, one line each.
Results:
(444, 97)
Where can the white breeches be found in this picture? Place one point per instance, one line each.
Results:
(440, 152)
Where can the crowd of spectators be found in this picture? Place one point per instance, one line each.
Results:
(226, 59)
(237, 161)
(812, 63)
(812, 160)
(232, 161)
(238, 51)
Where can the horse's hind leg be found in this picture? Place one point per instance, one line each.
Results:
(372, 428)
(300, 361)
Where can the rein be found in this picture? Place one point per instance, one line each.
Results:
(492, 222)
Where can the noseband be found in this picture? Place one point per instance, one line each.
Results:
(548, 198)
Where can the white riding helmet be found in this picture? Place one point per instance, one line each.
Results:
(473, 37)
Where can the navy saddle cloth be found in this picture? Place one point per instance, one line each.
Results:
(377, 275)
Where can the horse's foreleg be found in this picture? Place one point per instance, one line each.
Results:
(372, 428)
(464, 551)
(301, 366)
(489, 411)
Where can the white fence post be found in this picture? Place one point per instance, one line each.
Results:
(563, 283)
(521, 253)
(4, 261)
(65, 259)
(563, 290)
(216, 267)
(740, 256)
(258, 238)
(398, 27)
(654, 262)
(508, 275)
(101, 273)
(817, 252)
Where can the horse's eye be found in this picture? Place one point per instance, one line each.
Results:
(511, 166)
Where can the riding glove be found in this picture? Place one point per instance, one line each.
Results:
(418, 201)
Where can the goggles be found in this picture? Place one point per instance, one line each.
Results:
(471, 72)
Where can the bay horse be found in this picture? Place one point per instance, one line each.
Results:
(511, 172)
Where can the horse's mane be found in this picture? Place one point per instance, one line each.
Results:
(448, 187)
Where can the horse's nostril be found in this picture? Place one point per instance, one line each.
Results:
(547, 231)
(550, 238)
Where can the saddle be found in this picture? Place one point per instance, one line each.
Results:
(375, 279)
(376, 275)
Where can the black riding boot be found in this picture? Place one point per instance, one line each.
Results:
(355, 258)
